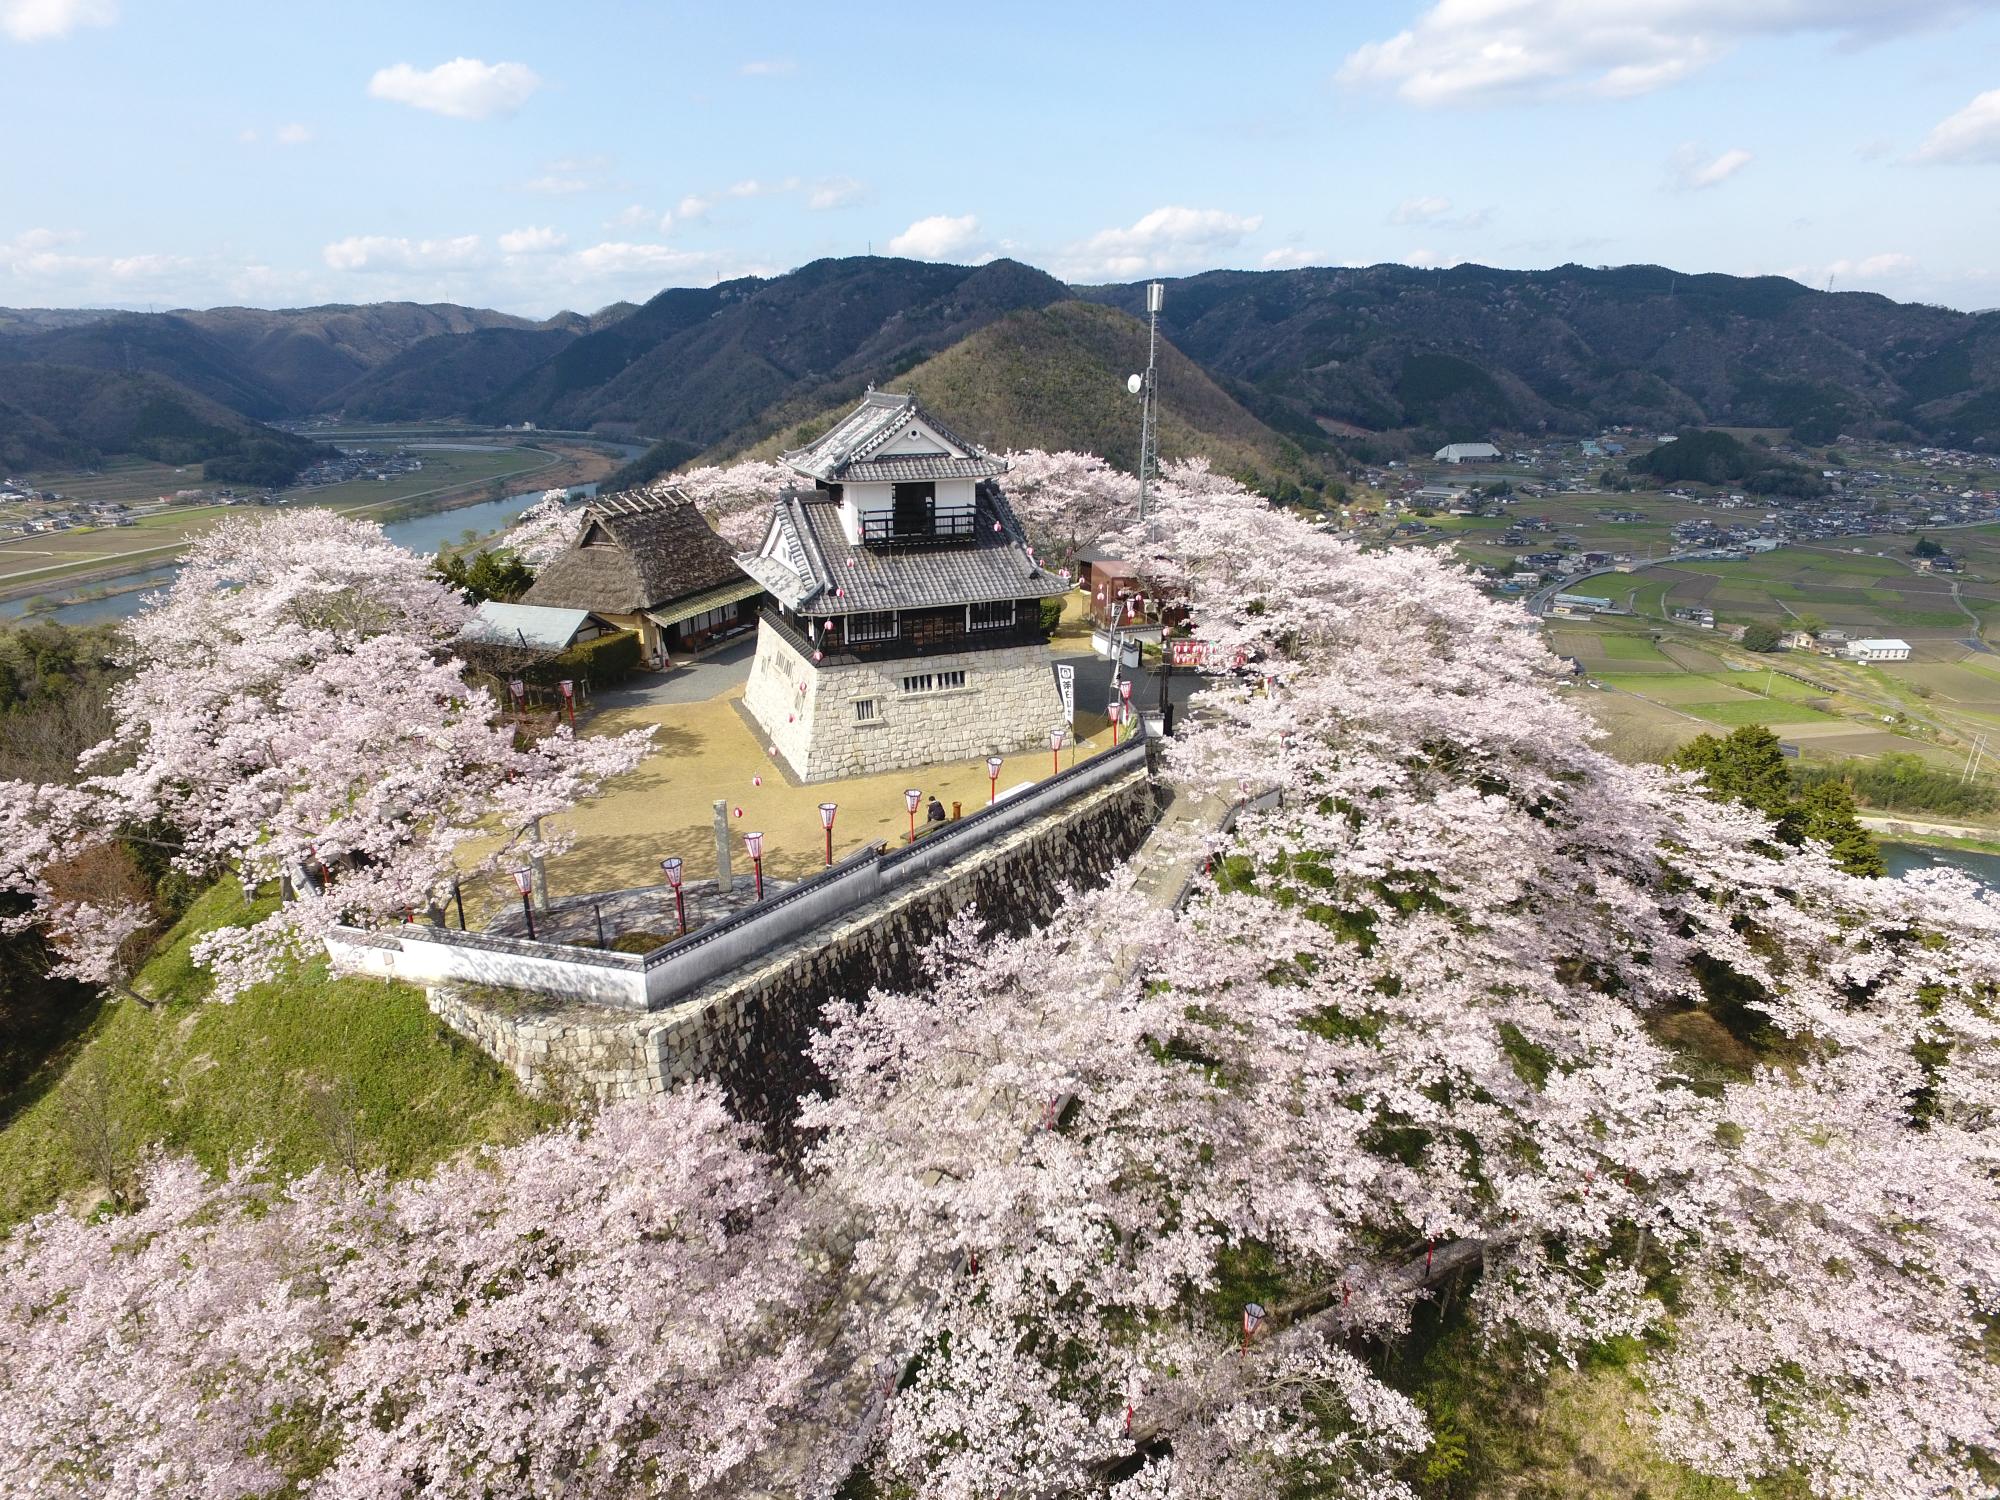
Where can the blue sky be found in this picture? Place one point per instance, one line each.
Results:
(540, 157)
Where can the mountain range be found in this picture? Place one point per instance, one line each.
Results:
(1280, 373)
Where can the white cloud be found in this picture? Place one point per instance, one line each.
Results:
(44, 20)
(939, 237)
(381, 252)
(620, 258)
(464, 88)
(1420, 210)
(534, 240)
(1461, 51)
(1971, 135)
(834, 192)
(1888, 267)
(751, 187)
(554, 185)
(1427, 260)
(40, 262)
(770, 67)
(294, 134)
(1163, 240)
(693, 206)
(1284, 260)
(1693, 168)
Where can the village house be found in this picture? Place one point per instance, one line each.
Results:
(1879, 649)
(646, 561)
(906, 628)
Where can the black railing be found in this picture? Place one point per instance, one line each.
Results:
(955, 525)
(906, 644)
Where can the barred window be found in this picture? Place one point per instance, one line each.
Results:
(934, 682)
(864, 710)
(995, 616)
(879, 625)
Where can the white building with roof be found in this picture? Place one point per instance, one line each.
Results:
(905, 623)
(1879, 649)
(1466, 453)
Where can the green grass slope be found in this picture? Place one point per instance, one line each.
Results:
(315, 1069)
(1054, 377)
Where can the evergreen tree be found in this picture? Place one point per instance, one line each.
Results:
(1826, 812)
(1747, 766)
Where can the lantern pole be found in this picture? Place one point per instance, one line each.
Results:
(674, 877)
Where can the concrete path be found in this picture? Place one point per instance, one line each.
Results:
(690, 681)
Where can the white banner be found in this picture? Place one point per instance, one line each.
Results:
(1066, 685)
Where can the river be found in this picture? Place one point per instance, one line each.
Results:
(1903, 858)
(422, 534)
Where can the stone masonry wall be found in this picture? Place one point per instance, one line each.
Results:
(749, 1030)
(1009, 703)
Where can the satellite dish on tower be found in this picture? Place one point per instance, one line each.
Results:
(1134, 383)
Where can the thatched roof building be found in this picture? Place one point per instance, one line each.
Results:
(647, 561)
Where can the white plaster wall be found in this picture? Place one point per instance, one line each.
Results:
(773, 697)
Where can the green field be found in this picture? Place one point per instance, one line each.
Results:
(1630, 648)
(159, 534)
(1759, 711)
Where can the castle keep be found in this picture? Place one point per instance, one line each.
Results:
(905, 623)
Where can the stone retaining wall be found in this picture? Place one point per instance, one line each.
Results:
(748, 1029)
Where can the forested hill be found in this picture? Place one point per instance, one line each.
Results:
(1054, 378)
(696, 366)
(1572, 349)
(1385, 358)
(263, 364)
(62, 416)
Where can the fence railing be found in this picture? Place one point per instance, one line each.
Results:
(651, 981)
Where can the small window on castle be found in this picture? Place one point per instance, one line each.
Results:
(996, 616)
(879, 625)
(864, 710)
(934, 682)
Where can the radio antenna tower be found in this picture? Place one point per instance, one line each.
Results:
(1147, 389)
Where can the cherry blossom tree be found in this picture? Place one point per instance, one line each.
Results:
(605, 1310)
(294, 713)
(1430, 1015)
(1425, 1009)
(1068, 502)
(735, 498)
(544, 529)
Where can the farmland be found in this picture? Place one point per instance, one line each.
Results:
(161, 528)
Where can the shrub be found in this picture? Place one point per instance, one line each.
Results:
(608, 659)
(1051, 615)
(639, 942)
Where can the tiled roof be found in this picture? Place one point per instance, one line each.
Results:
(899, 470)
(819, 572)
(879, 417)
(636, 551)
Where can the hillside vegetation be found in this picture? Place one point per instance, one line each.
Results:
(1054, 378)
(698, 366)
(312, 1069)
(1720, 458)
(1574, 348)
(1419, 356)
(64, 416)
(448, 374)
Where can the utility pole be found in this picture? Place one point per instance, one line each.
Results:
(1149, 417)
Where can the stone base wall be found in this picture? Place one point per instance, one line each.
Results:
(749, 1030)
(807, 711)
